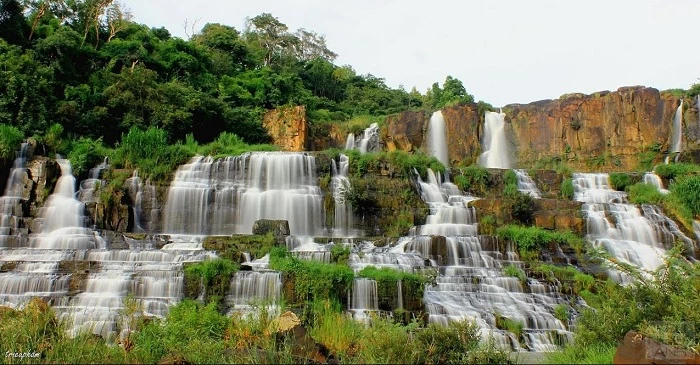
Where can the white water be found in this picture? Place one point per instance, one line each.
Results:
(495, 145)
(86, 194)
(228, 195)
(696, 228)
(50, 260)
(251, 289)
(526, 185)
(654, 180)
(676, 133)
(343, 222)
(437, 138)
(136, 190)
(471, 284)
(368, 142)
(10, 207)
(631, 235)
(364, 299)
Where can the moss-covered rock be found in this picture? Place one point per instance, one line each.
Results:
(278, 228)
(233, 247)
(386, 206)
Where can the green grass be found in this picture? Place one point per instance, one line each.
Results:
(567, 189)
(673, 170)
(514, 271)
(474, 179)
(620, 180)
(642, 193)
(596, 354)
(535, 238)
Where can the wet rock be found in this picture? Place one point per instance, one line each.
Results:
(279, 228)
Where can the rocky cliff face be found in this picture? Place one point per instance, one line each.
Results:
(587, 131)
(610, 129)
(288, 127)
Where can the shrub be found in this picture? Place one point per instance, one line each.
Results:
(86, 153)
(340, 254)
(448, 344)
(487, 224)
(510, 178)
(619, 181)
(534, 238)
(641, 193)
(521, 206)
(673, 170)
(687, 191)
(515, 272)
(10, 139)
(567, 189)
(474, 179)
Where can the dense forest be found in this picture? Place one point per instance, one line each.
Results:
(79, 74)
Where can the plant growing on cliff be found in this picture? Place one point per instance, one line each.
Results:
(567, 189)
(474, 179)
(620, 180)
(687, 191)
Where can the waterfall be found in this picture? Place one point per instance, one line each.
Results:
(437, 138)
(471, 284)
(84, 281)
(631, 235)
(10, 208)
(86, 194)
(253, 288)
(144, 197)
(495, 145)
(676, 133)
(369, 142)
(526, 185)
(340, 186)
(350, 141)
(696, 228)
(364, 299)
(653, 179)
(226, 196)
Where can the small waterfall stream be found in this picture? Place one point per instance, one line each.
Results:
(364, 299)
(631, 235)
(653, 179)
(495, 145)
(10, 207)
(437, 138)
(367, 143)
(343, 221)
(526, 185)
(676, 134)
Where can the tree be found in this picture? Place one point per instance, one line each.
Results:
(13, 26)
(271, 37)
(118, 18)
(310, 46)
(229, 52)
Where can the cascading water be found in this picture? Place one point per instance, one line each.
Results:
(676, 134)
(630, 235)
(364, 299)
(86, 194)
(254, 288)
(654, 180)
(227, 196)
(10, 207)
(526, 185)
(437, 138)
(696, 228)
(70, 266)
(144, 198)
(495, 145)
(343, 221)
(369, 142)
(471, 284)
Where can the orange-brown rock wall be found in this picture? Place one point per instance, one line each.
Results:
(288, 127)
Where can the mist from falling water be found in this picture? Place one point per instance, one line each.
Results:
(496, 154)
(437, 138)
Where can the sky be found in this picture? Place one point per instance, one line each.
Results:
(504, 51)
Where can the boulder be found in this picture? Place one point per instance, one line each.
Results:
(279, 228)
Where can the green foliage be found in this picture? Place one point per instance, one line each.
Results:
(521, 205)
(571, 278)
(448, 344)
(10, 139)
(514, 271)
(510, 178)
(595, 354)
(567, 189)
(340, 254)
(408, 163)
(534, 238)
(85, 154)
(312, 279)
(509, 325)
(215, 275)
(619, 180)
(687, 191)
(642, 193)
(191, 331)
(673, 170)
(487, 225)
(474, 179)
(208, 270)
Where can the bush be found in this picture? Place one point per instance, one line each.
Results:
(510, 178)
(535, 238)
(85, 154)
(687, 191)
(673, 170)
(521, 206)
(448, 344)
(641, 193)
(515, 272)
(619, 181)
(312, 279)
(474, 179)
(567, 189)
(10, 140)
